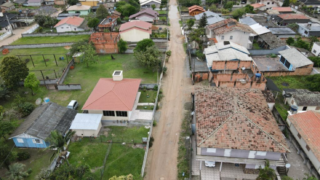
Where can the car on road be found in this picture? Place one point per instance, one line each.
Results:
(73, 104)
(210, 163)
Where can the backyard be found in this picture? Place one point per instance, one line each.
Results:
(49, 39)
(124, 157)
(47, 62)
(147, 96)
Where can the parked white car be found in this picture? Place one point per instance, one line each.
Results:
(210, 163)
(73, 105)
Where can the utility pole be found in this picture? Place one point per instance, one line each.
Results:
(10, 27)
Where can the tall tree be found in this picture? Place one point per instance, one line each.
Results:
(238, 13)
(58, 141)
(286, 3)
(93, 23)
(249, 8)
(6, 128)
(32, 82)
(102, 12)
(89, 54)
(17, 172)
(150, 58)
(6, 156)
(153, 6)
(203, 21)
(12, 71)
(122, 46)
(190, 23)
(267, 173)
(72, 2)
(196, 35)
(290, 41)
(143, 44)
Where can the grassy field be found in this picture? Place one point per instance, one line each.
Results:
(39, 63)
(162, 12)
(145, 107)
(122, 160)
(49, 39)
(148, 96)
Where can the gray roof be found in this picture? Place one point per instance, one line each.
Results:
(283, 31)
(211, 17)
(248, 21)
(272, 40)
(304, 97)
(45, 119)
(295, 57)
(313, 27)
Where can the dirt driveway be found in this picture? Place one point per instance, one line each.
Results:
(162, 159)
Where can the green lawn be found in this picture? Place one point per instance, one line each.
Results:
(145, 107)
(39, 63)
(162, 12)
(122, 160)
(292, 82)
(148, 96)
(256, 46)
(49, 39)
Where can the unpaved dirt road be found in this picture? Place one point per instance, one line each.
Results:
(176, 85)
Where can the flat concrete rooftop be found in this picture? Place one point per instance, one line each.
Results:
(266, 63)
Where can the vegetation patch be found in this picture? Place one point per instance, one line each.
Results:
(49, 39)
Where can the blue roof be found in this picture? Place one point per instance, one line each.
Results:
(211, 17)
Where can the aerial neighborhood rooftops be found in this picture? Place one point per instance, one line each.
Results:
(211, 17)
(283, 9)
(295, 57)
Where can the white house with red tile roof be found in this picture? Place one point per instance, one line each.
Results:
(236, 126)
(135, 31)
(305, 127)
(71, 24)
(117, 99)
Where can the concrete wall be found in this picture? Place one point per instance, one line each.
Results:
(110, 118)
(134, 35)
(31, 30)
(82, 13)
(28, 46)
(5, 35)
(315, 49)
(236, 153)
(56, 34)
(238, 37)
(68, 28)
(29, 142)
(303, 144)
(291, 101)
(68, 87)
(88, 133)
(297, 72)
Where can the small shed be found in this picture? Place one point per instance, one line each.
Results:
(87, 125)
(78, 57)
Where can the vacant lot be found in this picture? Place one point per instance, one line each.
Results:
(49, 39)
(43, 59)
(123, 159)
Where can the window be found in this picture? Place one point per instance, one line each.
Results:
(308, 148)
(108, 113)
(231, 37)
(287, 64)
(122, 113)
(282, 59)
(304, 108)
(20, 140)
(272, 2)
(222, 37)
(306, 32)
(299, 136)
(37, 141)
(268, 3)
(61, 27)
(314, 51)
(75, 29)
(261, 153)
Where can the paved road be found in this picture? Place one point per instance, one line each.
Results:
(16, 35)
(162, 159)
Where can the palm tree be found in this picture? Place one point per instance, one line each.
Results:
(266, 173)
(16, 172)
(58, 141)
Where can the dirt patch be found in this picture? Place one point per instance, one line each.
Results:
(188, 106)
(141, 146)
(67, 47)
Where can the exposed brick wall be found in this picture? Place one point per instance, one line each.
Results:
(224, 77)
(200, 77)
(218, 65)
(226, 84)
(261, 86)
(238, 76)
(240, 85)
(298, 72)
(246, 64)
(232, 65)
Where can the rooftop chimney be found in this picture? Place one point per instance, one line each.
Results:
(117, 75)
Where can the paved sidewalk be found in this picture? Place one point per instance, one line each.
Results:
(16, 35)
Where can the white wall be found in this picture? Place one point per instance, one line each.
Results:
(291, 101)
(238, 37)
(134, 35)
(303, 145)
(303, 31)
(113, 118)
(87, 133)
(68, 28)
(315, 49)
(268, 5)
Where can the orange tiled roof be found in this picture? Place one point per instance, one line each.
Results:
(232, 118)
(308, 124)
(113, 95)
(283, 9)
(228, 25)
(257, 5)
(293, 16)
(195, 7)
(75, 21)
(141, 25)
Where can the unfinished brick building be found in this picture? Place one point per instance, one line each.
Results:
(230, 65)
(105, 43)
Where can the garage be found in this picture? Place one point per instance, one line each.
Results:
(86, 125)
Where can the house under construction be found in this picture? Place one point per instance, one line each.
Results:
(105, 42)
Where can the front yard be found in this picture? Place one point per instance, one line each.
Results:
(148, 96)
(123, 159)
(49, 39)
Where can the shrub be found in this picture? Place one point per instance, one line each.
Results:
(144, 89)
(154, 123)
(155, 88)
(26, 108)
(40, 30)
(126, 19)
(164, 69)
(23, 156)
(168, 53)
(151, 142)
(315, 60)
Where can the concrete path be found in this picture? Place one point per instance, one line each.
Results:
(176, 85)
(145, 104)
(16, 35)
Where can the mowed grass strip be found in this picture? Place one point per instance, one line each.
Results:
(49, 39)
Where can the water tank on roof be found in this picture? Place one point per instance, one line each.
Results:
(294, 109)
(258, 75)
(46, 100)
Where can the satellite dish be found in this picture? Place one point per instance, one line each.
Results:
(38, 101)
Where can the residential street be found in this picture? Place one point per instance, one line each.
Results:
(162, 158)
(16, 35)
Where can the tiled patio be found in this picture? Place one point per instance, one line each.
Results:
(235, 172)
(208, 173)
